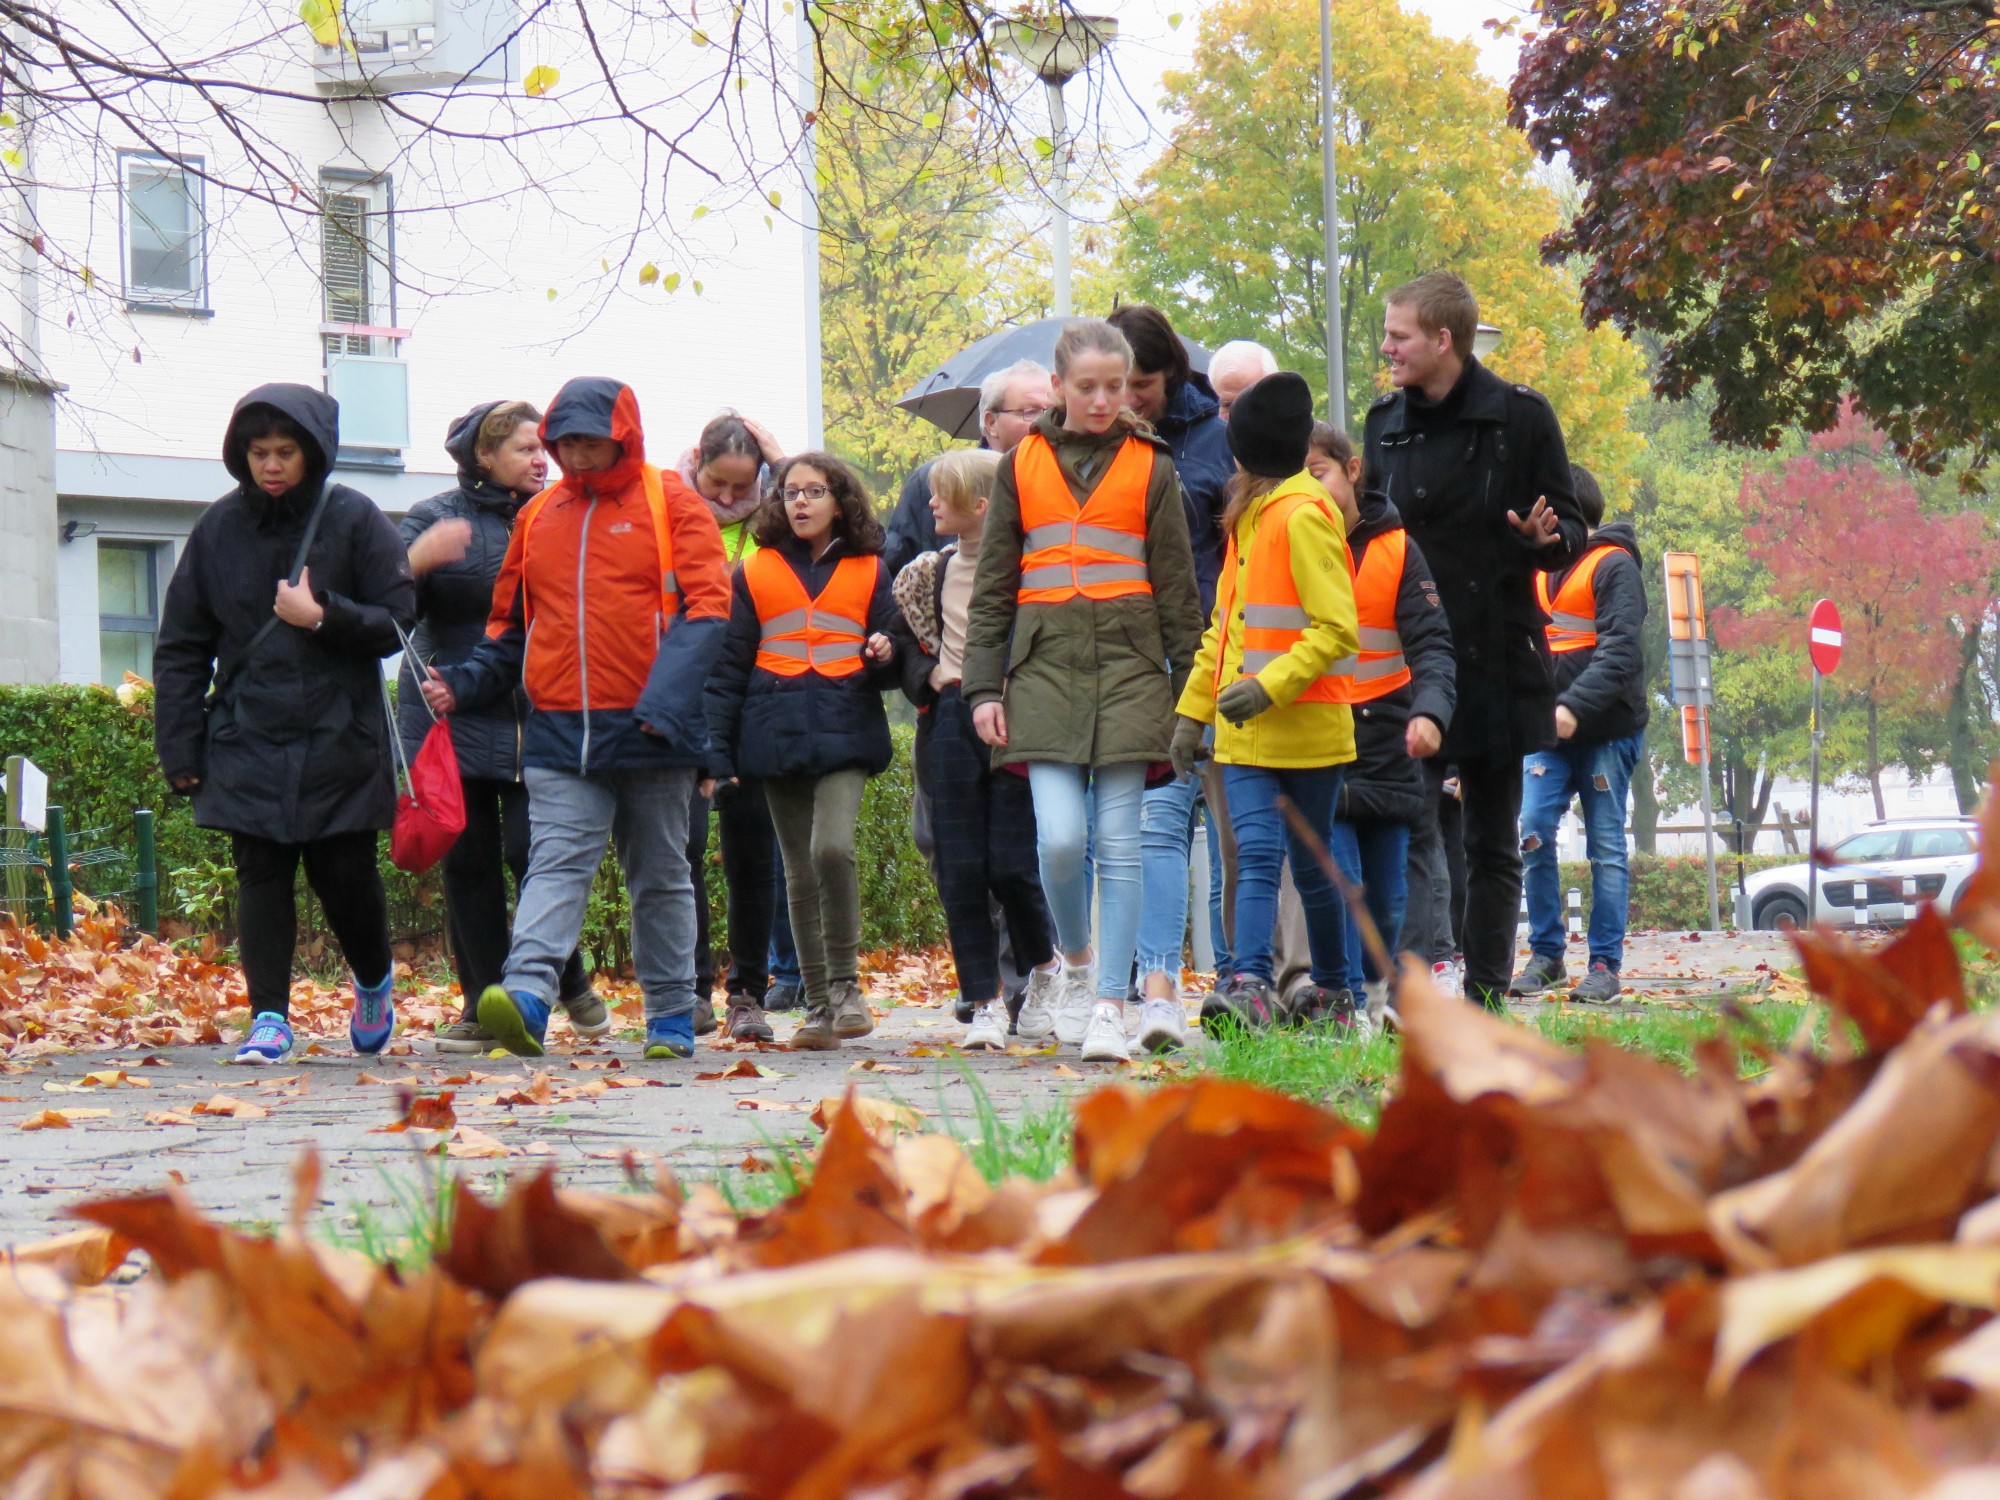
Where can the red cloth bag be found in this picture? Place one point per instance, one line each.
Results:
(430, 807)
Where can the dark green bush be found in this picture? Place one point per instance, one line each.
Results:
(1671, 890)
(98, 753)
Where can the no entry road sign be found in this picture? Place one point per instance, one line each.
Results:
(1823, 636)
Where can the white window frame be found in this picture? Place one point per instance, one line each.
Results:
(164, 299)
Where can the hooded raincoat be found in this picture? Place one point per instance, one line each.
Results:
(579, 618)
(453, 604)
(298, 748)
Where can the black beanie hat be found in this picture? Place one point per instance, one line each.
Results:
(1271, 424)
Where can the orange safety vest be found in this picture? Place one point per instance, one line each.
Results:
(800, 634)
(1274, 621)
(1093, 551)
(1573, 611)
(1378, 668)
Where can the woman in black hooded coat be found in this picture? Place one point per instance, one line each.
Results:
(457, 541)
(279, 734)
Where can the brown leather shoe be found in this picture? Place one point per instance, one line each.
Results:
(746, 1021)
(816, 1032)
(851, 1017)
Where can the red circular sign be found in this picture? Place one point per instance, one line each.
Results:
(1823, 636)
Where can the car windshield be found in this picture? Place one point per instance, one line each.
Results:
(1863, 847)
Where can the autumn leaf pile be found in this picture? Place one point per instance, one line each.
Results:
(1546, 1273)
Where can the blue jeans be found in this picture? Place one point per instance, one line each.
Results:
(1600, 775)
(1263, 838)
(571, 818)
(1107, 823)
(1166, 836)
(784, 957)
(1373, 853)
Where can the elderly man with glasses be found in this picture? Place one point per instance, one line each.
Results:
(1009, 402)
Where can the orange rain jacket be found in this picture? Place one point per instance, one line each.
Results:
(610, 626)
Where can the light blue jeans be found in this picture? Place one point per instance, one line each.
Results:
(1598, 775)
(571, 818)
(1166, 834)
(1107, 824)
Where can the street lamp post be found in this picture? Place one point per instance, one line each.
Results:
(1056, 53)
(1336, 340)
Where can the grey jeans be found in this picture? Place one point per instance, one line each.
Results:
(571, 818)
(815, 817)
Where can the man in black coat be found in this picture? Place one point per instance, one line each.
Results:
(1478, 470)
(1597, 629)
(289, 754)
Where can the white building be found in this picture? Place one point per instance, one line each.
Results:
(410, 274)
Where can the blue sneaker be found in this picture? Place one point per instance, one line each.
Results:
(270, 1041)
(670, 1036)
(515, 1019)
(373, 1019)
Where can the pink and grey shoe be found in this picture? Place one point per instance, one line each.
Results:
(373, 1019)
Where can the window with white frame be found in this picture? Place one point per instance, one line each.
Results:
(128, 609)
(357, 261)
(164, 231)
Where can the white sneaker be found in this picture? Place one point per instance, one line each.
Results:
(1375, 1014)
(1162, 1025)
(1076, 994)
(1036, 1019)
(1449, 977)
(989, 1027)
(1104, 1041)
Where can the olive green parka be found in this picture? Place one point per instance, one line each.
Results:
(1088, 682)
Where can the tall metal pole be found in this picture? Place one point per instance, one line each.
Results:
(1704, 703)
(1812, 837)
(809, 224)
(1058, 131)
(1336, 343)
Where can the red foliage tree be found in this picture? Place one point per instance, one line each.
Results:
(1910, 584)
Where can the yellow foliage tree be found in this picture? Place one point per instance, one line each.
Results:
(1226, 232)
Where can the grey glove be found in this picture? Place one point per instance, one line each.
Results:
(1242, 700)
(1187, 750)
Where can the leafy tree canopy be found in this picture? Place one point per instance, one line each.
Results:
(1227, 230)
(1798, 196)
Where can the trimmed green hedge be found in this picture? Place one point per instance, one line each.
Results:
(1671, 890)
(98, 753)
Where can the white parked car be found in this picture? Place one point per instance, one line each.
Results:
(1877, 878)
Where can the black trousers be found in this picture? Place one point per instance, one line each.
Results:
(983, 840)
(1490, 804)
(754, 875)
(343, 874)
(477, 917)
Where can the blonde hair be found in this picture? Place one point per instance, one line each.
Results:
(1089, 336)
(503, 422)
(1443, 303)
(1244, 490)
(964, 477)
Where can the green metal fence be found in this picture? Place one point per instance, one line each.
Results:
(42, 872)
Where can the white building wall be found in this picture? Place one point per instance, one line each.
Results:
(502, 263)
(27, 532)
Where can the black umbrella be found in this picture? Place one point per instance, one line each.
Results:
(948, 397)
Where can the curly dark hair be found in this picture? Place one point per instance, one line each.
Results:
(855, 523)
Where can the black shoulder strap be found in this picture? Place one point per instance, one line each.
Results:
(228, 672)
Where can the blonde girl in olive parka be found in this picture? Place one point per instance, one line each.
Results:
(1084, 620)
(1268, 677)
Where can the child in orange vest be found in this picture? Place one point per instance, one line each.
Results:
(1084, 621)
(1400, 715)
(982, 819)
(795, 701)
(1271, 677)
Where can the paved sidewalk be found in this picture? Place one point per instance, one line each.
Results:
(233, 1133)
